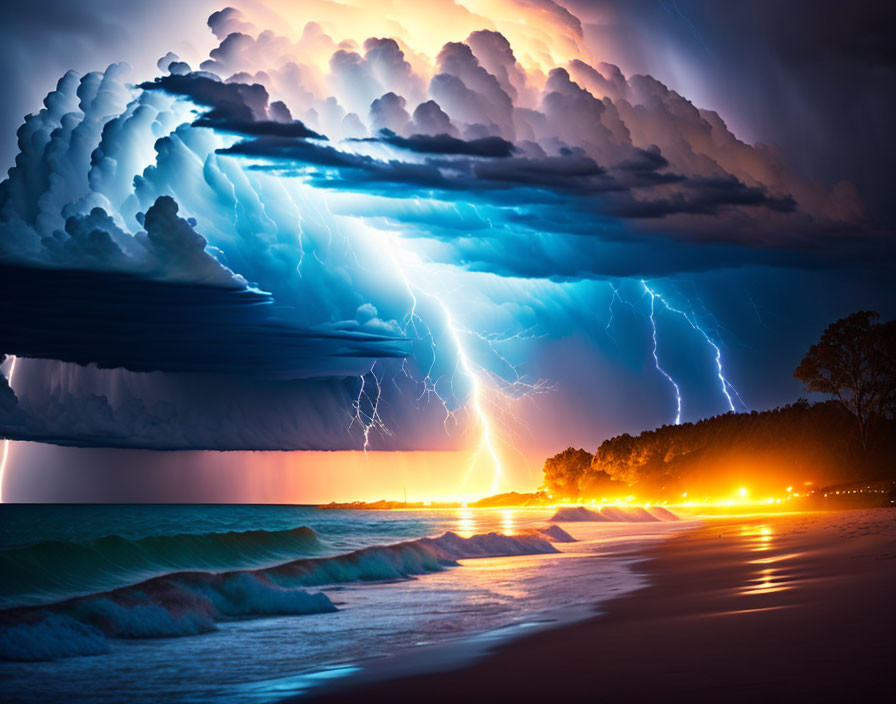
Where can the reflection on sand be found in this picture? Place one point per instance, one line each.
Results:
(768, 579)
(758, 537)
(776, 558)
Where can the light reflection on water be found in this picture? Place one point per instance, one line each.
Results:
(469, 522)
(508, 526)
(769, 577)
(767, 582)
(759, 538)
(466, 523)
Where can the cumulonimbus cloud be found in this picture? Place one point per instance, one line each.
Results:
(243, 219)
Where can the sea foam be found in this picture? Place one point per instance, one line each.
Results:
(194, 602)
(52, 570)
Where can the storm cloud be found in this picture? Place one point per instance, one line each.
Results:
(326, 241)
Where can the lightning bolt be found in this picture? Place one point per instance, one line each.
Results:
(727, 388)
(6, 442)
(483, 385)
(517, 386)
(612, 308)
(615, 297)
(370, 418)
(656, 359)
(486, 444)
(475, 401)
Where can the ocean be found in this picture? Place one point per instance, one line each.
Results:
(152, 603)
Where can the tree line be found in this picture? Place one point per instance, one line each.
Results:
(851, 436)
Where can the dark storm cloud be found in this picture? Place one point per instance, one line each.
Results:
(633, 183)
(446, 144)
(605, 252)
(120, 320)
(817, 77)
(575, 174)
(8, 400)
(177, 412)
(233, 107)
(574, 177)
(81, 406)
(592, 142)
(704, 196)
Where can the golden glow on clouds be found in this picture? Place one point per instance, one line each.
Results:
(543, 35)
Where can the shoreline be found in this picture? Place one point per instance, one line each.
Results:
(774, 607)
(454, 653)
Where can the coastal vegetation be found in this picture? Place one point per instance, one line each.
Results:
(802, 446)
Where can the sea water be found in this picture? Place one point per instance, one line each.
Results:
(341, 600)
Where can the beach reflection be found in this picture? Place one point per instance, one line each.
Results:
(509, 521)
(466, 523)
(508, 524)
(759, 538)
(769, 578)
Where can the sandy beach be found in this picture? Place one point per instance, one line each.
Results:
(787, 607)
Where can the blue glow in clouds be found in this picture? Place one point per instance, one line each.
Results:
(464, 280)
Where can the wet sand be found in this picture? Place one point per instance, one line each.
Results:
(793, 607)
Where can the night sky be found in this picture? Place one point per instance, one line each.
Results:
(461, 236)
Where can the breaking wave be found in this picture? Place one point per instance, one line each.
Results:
(49, 571)
(557, 535)
(663, 514)
(614, 514)
(190, 603)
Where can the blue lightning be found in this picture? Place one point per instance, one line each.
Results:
(517, 386)
(656, 359)
(612, 317)
(726, 386)
(615, 297)
(487, 446)
(370, 419)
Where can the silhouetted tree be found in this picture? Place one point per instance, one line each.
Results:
(564, 472)
(853, 361)
(885, 351)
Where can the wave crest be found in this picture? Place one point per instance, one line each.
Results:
(613, 514)
(190, 603)
(48, 571)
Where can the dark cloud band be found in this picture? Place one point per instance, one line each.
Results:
(121, 320)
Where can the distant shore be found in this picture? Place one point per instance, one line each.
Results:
(510, 499)
(778, 607)
(849, 495)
